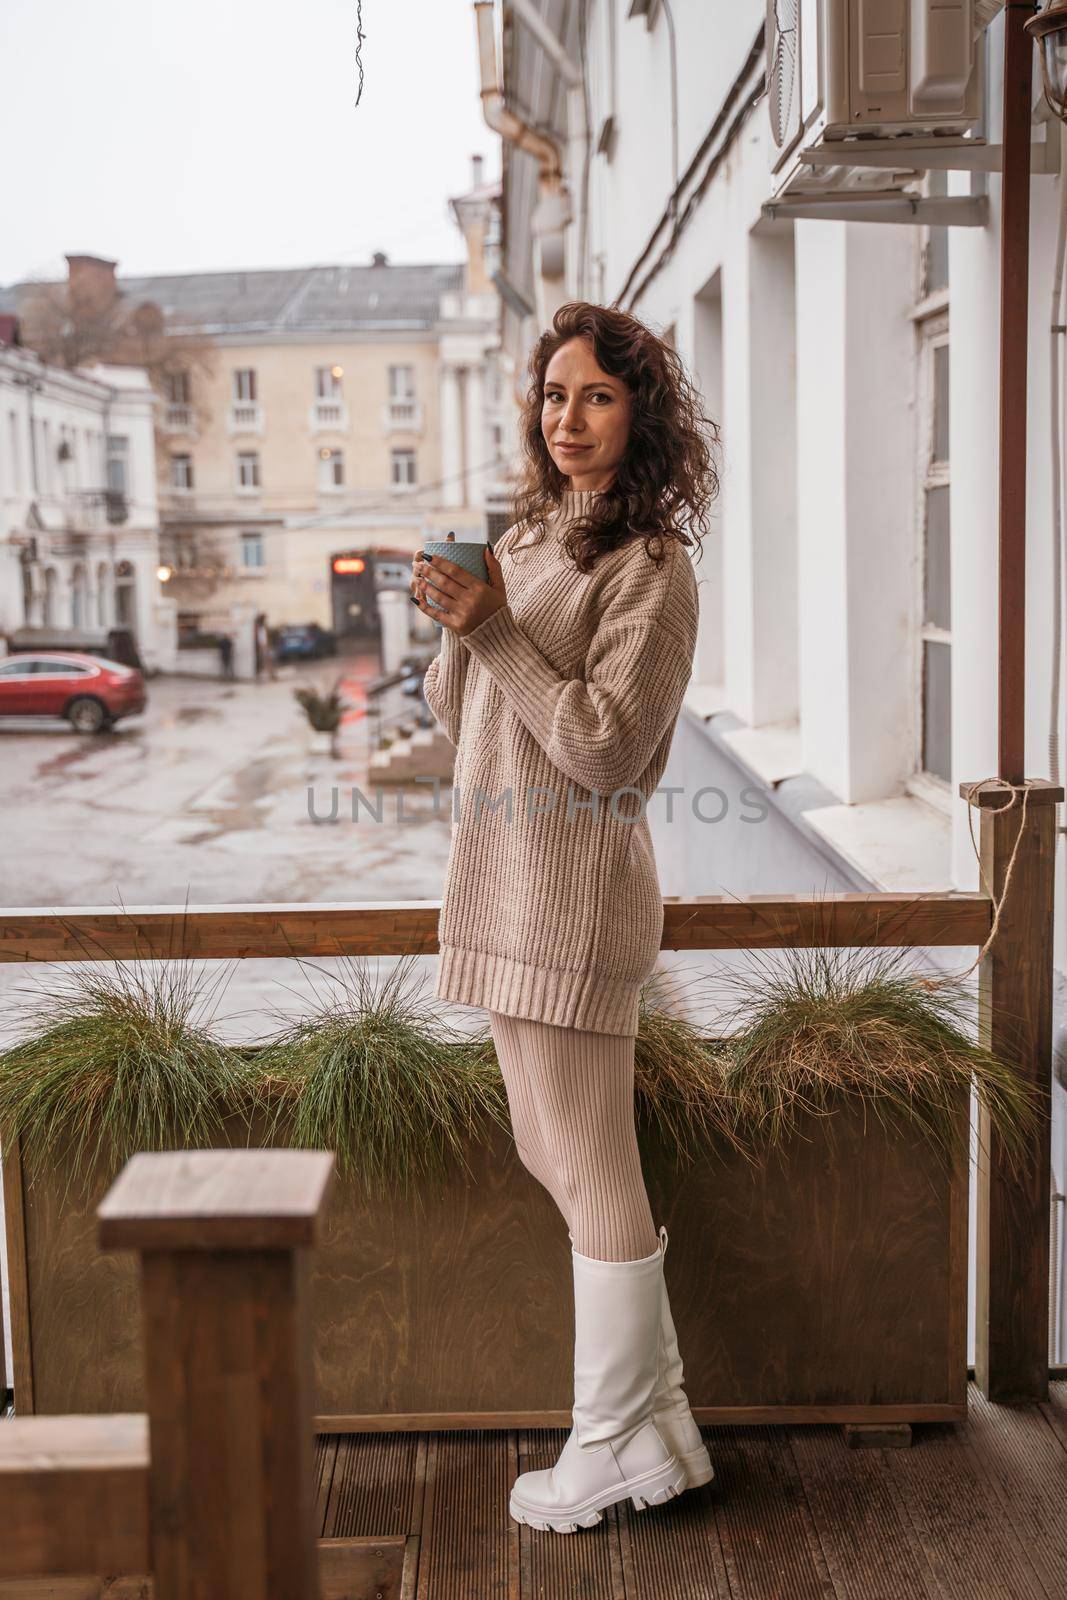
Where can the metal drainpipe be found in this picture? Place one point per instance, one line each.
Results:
(500, 118)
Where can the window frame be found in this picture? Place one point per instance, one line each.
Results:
(256, 483)
(252, 539)
(250, 399)
(398, 453)
(185, 459)
(117, 455)
(397, 397)
(327, 481)
(932, 334)
(328, 386)
(177, 387)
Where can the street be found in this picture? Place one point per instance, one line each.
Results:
(211, 798)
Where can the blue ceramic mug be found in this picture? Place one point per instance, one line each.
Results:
(466, 553)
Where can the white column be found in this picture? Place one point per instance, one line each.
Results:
(397, 637)
(858, 537)
(451, 437)
(10, 589)
(759, 492)
(476, 435)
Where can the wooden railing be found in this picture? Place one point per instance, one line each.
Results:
(212, 1492)
(1015, 1007)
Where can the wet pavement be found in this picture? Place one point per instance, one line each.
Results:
(213, 796)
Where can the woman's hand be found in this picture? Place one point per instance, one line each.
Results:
(461, 601)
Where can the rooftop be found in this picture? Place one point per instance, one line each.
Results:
(287, 299)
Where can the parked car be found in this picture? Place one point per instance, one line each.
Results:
(91, 692)
(304, 641)
(111, 644)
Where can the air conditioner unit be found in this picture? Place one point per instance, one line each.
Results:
(843, 72)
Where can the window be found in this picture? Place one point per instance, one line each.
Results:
(248, 469)
(401, 385)
(252, 549)
(181, 472)
(403, 469)
(328, 382)
(16, 463)
(402, 411)
(244, 386)
(331, 469)
(935, 752)
(177, 388)
(118, 454)
(61, 669)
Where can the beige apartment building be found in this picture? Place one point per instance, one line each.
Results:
(316, 423)
(334, 413)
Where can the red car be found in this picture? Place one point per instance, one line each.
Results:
(89, 691)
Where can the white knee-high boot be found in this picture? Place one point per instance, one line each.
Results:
(614, 1449)
(670, 1409)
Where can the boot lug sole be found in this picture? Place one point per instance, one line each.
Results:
(588, 1516)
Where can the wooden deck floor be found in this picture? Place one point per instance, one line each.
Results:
(974, 1512)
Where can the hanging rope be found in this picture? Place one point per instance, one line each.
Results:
(969, 791)
(359, 46)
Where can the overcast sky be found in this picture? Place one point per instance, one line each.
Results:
(223, 133)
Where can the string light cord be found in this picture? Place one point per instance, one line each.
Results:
(359, 47)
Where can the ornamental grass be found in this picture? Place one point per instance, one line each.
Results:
(118, 1059)
(808, 1030)
(372, 1074)
(123, 1057)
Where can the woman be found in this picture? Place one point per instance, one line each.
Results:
(560, 681)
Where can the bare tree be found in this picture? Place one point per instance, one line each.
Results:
(75, 324)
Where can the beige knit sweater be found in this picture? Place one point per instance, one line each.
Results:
(552, 907)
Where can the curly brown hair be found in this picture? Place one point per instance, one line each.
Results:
(667, 479)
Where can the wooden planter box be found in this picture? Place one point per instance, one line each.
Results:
(827, 1284)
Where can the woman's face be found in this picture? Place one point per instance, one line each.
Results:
(585, 416)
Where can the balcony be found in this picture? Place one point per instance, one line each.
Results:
(838, 1448)
(97, 506)
(180, 419)
(245, 417)
(328, 416)
(402, 416)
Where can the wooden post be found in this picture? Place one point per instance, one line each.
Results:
(1014, 307)
(224, 1237)
(75, 1495)
(1015, 1022)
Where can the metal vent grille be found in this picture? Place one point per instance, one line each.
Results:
(782, 67)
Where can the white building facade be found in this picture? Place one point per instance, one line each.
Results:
(846, 667)
(79, 514)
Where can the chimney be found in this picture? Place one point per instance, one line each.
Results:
(476, 172)
(380, 259)
(91, 283)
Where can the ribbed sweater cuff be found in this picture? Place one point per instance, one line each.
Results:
(527, 680)
(444, 683)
